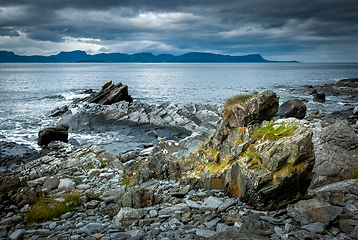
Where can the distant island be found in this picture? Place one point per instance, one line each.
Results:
(82, 57)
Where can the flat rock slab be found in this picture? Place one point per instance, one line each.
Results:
(211, 204)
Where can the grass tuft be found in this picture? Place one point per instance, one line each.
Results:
(46, 209)
(237, 100)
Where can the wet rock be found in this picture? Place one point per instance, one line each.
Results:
(318, 97)
(57, 112)
(56, 133)
(292, 108)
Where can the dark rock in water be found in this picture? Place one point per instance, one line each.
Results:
(57, 133)
(292, 108)
(2, 137)
(88, 91)
(57, 112)
(318, 97)
(109, 94)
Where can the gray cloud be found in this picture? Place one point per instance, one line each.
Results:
(272, 28)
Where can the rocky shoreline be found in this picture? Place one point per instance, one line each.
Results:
(191, 175)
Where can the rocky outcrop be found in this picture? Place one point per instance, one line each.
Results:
(254, 110)
(56, 133)
(110, 93)
(336, 150)
(137, 124)
(278, 175)
(292, 108)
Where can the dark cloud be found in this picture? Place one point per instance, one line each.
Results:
(272, 28)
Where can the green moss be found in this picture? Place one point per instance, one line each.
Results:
(216, 167)
(251, 154)
(46, 209)
(274, 132)
(354, 175)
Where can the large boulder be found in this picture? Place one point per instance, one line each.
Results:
(336, 150)
(279, 175)
(56, 133)
(292, 108)
(110, 93)
(254, 110)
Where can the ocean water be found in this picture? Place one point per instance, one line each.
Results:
(29, 91)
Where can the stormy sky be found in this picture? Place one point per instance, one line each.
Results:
(304, 30)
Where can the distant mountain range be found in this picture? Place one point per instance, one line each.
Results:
(81, 56)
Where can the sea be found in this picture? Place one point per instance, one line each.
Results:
(29, 90)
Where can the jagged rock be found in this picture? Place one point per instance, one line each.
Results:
(292, 108)
(110, 93)
(57, 133)
(274, 154)
(254, 110)
(336, 154)
(283, 177)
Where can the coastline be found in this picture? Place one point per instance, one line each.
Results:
(141, 194)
